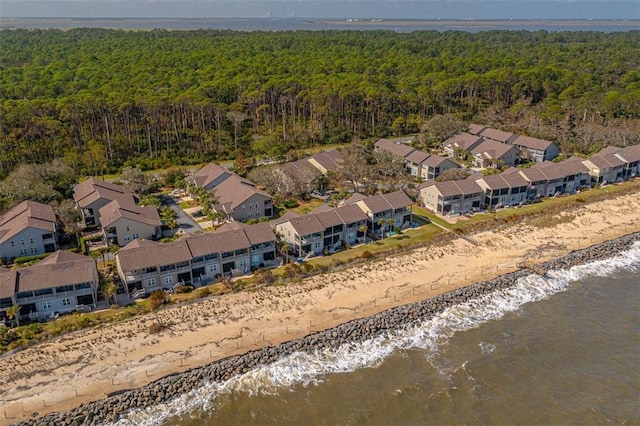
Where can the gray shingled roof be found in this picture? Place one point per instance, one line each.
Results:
(394, 148)
(307, 224)
(462, 140)
(532, 143)
(496, 135)
(93, 189)
(61, 268)
(28, 214)
(127, 208)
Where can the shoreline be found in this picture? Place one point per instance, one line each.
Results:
(73, 370)
(354, 331)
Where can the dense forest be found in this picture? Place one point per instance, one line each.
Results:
(99, 99)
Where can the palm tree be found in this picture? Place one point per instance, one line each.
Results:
(391, 222)
(285, 248)
(382, 223)
(14, 313)
(110, 289)
(363, 229)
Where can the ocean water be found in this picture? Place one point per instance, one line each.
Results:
(565, 350)
(298, 24)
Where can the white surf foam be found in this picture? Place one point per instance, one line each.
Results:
(305, 369)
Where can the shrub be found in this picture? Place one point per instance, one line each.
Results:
(366, 254)
(184, 289)
(264, 277)
(26, 259)
(156, 328)
(204, 292)
(157, 299)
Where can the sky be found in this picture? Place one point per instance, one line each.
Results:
(340, 9)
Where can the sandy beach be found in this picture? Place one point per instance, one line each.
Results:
(87, 365)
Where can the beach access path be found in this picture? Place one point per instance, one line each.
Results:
(87, 365)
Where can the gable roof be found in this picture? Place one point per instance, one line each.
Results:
(381, 202)
(257, 233)
(151, 254)
(464, 141)
(127, 208)
(329, 160)
(513, 180)
(497, 135)
(8, 282)
(457, 187)
(351, 213)
(475, 129)
(394, 148)
(630, 154)
(307, 224)
(285, 217)
(208, 174)
(532, 143)
(604, 161)
(59, 269)
(234, 191)
(609, 149)
(436, 161)
(27, 214)
(93, 189)
(492, 149)
(562, 169)
(417, 156)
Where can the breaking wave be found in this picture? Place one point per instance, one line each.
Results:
(309, 368)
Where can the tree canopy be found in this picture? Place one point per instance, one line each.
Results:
(103, 99)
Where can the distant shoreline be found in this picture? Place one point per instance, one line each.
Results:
(258, 24)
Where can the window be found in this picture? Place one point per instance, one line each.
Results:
(168, 280)
(255, 258)
(22, 242)
(242, 263)
(23, 252)
(127, 228)
(317, 245)
(127, 237)
(151, 282)
(30, 240)
(13, 244)
(250, 214)
(66, 302)
(136, 236)
(213, 268)
(257, 206)
(46, 306)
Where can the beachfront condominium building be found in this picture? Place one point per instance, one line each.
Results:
(460, 143)
(504, 190)
(62, 282)
(123, 220)
(490, 153)
(385, 212)
(452, 197)
(146, 266)
(535, 149)
(236, 198)
(93, 194)
(548, 179)
(28, 229)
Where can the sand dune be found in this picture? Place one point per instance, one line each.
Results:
(86, 365)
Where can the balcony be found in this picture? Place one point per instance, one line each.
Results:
(53, 296)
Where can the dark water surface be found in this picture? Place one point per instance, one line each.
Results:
(561, 351)
(296, 24)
